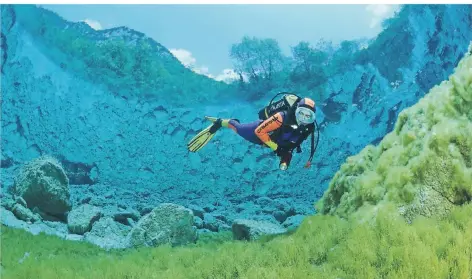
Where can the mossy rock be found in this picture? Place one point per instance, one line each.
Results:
(43, 183)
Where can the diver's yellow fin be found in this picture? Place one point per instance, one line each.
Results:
(212, 119)
(202, 138)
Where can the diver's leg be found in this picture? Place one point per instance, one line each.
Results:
(244, 130)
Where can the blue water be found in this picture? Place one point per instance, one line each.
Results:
(121, 132)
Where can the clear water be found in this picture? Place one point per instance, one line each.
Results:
(115, 109)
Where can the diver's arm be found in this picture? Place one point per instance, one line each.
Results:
(270, 124)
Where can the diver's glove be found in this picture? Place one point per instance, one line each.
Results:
(285, 161)
(281, 151)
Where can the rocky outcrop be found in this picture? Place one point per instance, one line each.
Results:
(42, 183)
(167, 223)
(423, 167)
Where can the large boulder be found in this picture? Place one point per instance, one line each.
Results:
(80, 219)
(167, 223)
(42, 183)
(244, 229)
(107, 234)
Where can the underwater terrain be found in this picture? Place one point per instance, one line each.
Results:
(96, 180)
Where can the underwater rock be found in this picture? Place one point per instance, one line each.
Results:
(81, 219)
(85, 200)
(43, 183)
(24, 213)
(210, 222)
(122, 216)
(78, 173)
(220, 217)
(252, 230)
(59, 226)
(280, 216)
(107, 234)
(249, 207)
(6, 160)
(144, 209)
(333, 110)
(423, 167)
(427, 202)
(7, 201)
(109, 195)
(130, 222)
(9, 219)
(264, 201)
(167, 223)
(197, 210)
(198, 222)
(40, 227)
(209, 208)
(97, 201)
(215, 222)
(46, 217)
(21, 201)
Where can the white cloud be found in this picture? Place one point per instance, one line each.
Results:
(381, 12)
(228, 76)
(202, 71)
(93, 23)
(186, 58)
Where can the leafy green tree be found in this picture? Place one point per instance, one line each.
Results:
(344, 57)
(258, 58)
(310, 64)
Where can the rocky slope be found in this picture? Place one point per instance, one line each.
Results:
(423, 167)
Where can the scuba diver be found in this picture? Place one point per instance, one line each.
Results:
(282, 127)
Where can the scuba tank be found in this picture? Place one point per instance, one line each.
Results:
(288, 102)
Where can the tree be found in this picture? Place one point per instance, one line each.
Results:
(344, 57)
(310, 64)
(258, 58)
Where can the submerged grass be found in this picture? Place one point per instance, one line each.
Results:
(323, 247)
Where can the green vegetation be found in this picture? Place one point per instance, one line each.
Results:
(307, 70)
(323, 247)
(126, 67)
(424, 165)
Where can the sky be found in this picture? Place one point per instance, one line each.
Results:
(200, 36)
